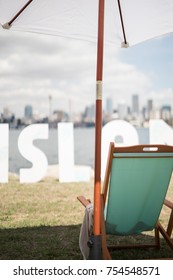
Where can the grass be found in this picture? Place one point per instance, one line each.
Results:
(42, 221)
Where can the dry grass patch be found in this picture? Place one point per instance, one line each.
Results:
(42, 221)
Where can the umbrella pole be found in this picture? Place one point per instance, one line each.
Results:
(95, 241)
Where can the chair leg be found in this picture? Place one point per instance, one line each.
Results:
(165, 235)
(157, 237)
(170, 225)
(105, 251)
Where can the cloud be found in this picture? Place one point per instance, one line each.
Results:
(35, 66)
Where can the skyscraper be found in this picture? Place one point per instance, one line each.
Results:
(28, 112)
(149, 108)
(135, 104)
(50, 106)
(109, 106)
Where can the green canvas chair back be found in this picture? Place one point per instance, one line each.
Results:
(137, 189)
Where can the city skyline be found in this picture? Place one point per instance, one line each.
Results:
(130, 112)
(108, 107)
(34, 67)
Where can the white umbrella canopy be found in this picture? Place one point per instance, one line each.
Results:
(118, 22)
(77, 19)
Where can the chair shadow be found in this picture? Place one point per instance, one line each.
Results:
(62, 243)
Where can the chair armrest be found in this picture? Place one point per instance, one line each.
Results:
(83, 200)
(168, 204)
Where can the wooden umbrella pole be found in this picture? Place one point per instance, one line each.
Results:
(98, 119)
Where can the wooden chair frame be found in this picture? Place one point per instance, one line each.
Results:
(158, 227)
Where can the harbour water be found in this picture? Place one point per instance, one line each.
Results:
(83, 147)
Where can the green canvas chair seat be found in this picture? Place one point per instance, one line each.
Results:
(137, 189)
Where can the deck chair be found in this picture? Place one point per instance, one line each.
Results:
(134, 191)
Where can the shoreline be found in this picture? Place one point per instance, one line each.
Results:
(53, 172)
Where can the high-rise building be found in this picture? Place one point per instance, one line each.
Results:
(166, 112)
(109, 106)
(135, 104)
(28, 112)
(89, 114)
(50, 106)
(6, 113)
(150, 105)
(149, 108)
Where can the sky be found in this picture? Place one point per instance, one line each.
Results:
(34, 67)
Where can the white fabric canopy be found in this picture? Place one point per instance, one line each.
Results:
(143, 19)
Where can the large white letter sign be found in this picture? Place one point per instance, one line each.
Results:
(160, 132)
(120, 132)
(68, 171)
(32, 153)
(4, 152)
(66, 152)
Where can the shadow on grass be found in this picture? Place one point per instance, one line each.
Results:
(164, 252)
(62, 243)
(41, 243)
